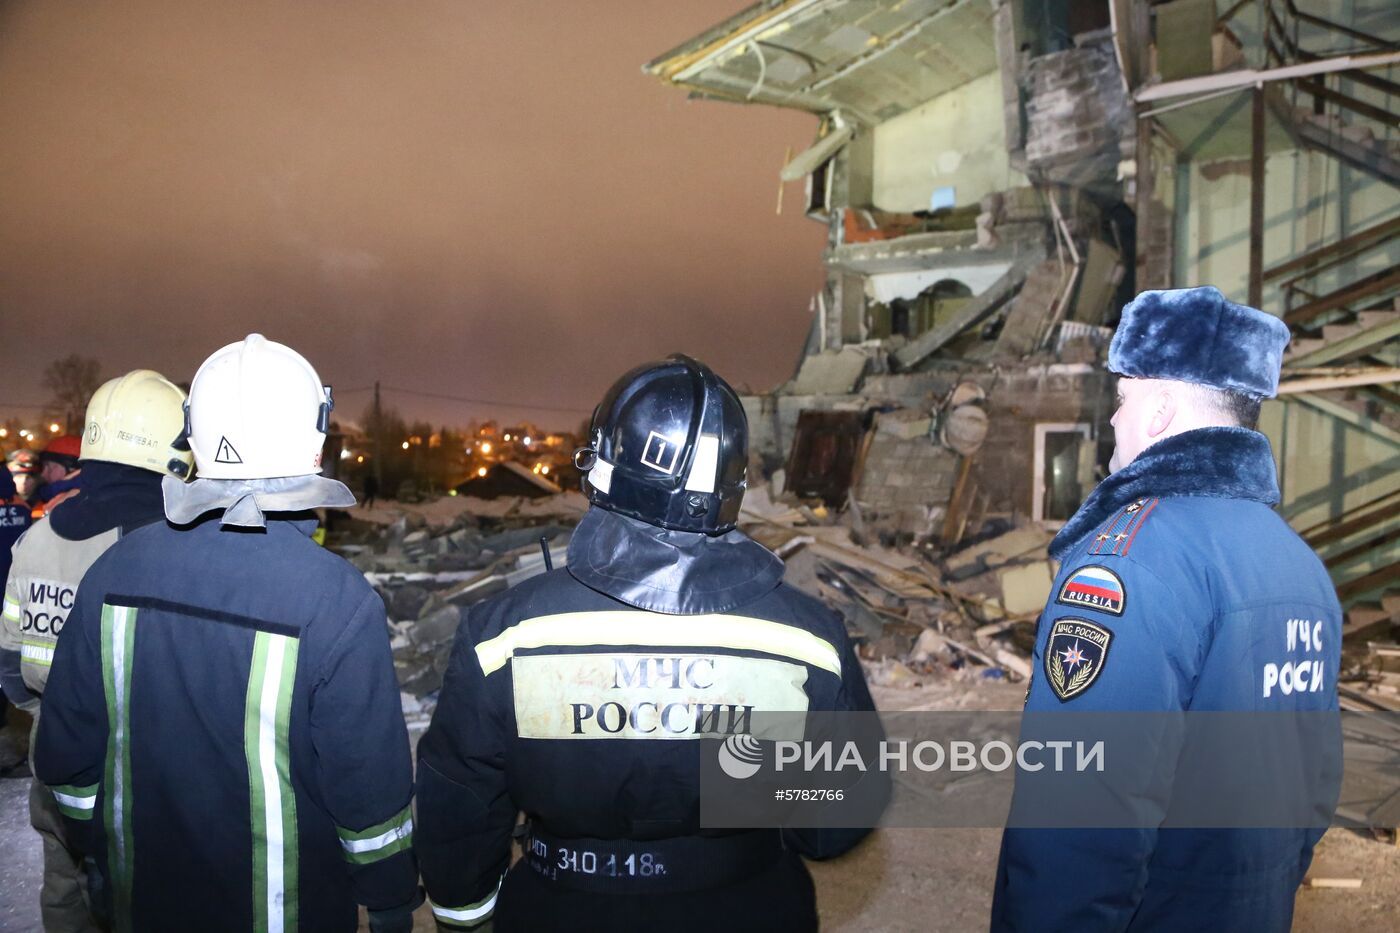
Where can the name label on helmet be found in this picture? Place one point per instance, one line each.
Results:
(649, 696)
(136, 439)
(661, 453)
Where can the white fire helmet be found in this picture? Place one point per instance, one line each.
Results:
(257, 410)
(136, 419)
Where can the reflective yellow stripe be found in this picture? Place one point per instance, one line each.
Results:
(621, 627)
(11, 609)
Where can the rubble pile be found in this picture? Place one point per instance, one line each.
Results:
(915, 615)
(1371, 657)
(428, 563)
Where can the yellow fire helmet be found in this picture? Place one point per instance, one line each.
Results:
(137, 419)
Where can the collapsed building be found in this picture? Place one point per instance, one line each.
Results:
(998, 177)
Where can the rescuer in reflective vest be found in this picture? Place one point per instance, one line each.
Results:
(1181, 590)
(582, 696)
(222, 721)
(125, 451)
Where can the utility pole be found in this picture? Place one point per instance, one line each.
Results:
(378, 440)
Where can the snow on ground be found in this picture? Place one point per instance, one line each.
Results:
(444, 510)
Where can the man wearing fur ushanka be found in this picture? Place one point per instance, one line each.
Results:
(1180, 589)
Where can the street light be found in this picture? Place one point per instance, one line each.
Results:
(54, 427)
(486, 446)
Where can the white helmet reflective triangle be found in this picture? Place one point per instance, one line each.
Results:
(257, 410)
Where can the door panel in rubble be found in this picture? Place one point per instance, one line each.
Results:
(826, 450)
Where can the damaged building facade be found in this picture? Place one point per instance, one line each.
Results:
(998, 177)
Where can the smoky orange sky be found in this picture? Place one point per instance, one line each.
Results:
(479, 199)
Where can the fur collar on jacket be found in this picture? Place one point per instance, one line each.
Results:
(1222, 463)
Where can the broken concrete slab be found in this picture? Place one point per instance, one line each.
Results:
(904, 423)
(832, 372)
(1025, 588)
(973, 312)
(435, 628)
(1032, 307)
(1018, 543)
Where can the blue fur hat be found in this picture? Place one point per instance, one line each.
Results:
(1197, 335)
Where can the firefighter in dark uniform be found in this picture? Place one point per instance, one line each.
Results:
(1181, 589)
(222, 727)
(578, 697)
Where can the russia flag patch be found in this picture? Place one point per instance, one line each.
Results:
(1093, 587)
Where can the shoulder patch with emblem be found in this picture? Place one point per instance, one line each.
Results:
(1093, 587)
(1075, 655)
(1115, 538)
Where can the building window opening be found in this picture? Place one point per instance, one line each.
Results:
(1064, 470)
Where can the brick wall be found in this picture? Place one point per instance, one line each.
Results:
(1016, 405)
(1076, 110)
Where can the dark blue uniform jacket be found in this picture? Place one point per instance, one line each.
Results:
(222, 727)
(572, 704)
(1180, 590)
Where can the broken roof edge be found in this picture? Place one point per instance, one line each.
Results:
(710, 42)
(677, 67)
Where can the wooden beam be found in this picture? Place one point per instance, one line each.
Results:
(1354, 243)
(1349, 345)
(1357, 34)
(1342, 413)
(1247, 76)
(1349, 514)
(1316, 88)
(1374, 580)
(1323, 383)
(1365, 547)
(1356, 291)
(1350, 527)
